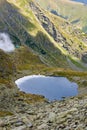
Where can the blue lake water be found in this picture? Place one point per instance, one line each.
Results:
(53, 88)
(81, 1)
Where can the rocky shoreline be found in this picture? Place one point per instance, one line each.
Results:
(21, 111)
(67, 114)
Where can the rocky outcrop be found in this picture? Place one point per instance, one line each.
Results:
(7, 97)
(19, 27)
(84, 57)
(47, 24)
(70, 114)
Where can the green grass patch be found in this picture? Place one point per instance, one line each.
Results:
(5, 113)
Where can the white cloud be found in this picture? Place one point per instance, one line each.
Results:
(6, 43)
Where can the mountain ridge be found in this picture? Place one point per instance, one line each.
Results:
(73, 11)
(27, 31)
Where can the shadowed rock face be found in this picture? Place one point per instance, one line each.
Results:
(84, 57)
(50, 27)
(47, 24)
(16, 25)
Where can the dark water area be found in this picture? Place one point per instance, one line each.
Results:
(53, 88)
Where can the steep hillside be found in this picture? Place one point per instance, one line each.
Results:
(63, 33)
(44, 33)
(74, 12)
(24, 28)
(25, 59)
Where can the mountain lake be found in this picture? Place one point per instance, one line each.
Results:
(52, 88)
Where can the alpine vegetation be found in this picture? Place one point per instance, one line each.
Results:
(6, 43)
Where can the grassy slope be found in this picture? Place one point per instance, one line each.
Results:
(25, 59)
(73, 11)
(74, 39)
(23, 26)
(19, 21)
(7, 68)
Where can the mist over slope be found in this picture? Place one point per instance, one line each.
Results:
(6, 43)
